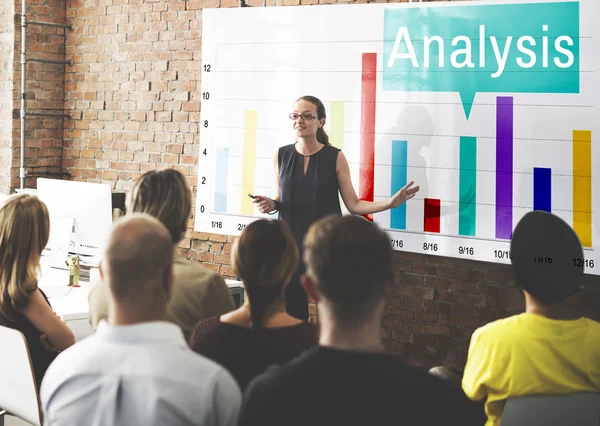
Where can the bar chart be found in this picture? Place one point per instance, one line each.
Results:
(479, 171)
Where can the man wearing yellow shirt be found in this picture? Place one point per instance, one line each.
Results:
(544, 350)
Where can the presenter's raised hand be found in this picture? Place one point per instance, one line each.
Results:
(265, 204)
(403, 195)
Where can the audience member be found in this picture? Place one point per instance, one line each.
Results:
(137, 369)
(260, 333)
(545, 350)
(197, 292)
(348, 379)
(24, 232)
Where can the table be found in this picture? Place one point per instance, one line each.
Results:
(71, 304)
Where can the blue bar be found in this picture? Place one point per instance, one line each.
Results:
(399, 180)
(222, 167)
(542, 189)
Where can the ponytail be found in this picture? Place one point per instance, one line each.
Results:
(260, 298)
(322, 137)
(265, 257)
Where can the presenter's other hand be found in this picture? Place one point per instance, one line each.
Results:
(403, 195)
(265, 204)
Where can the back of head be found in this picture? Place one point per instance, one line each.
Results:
(544, 251)
(350, 259)
(24, 232)
(138, 258)
(265, 257)
(165, 195)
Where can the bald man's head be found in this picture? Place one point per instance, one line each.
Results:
(138, 260)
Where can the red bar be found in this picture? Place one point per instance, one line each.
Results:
(366, 182)
(432, 215)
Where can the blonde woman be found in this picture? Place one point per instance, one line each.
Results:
(24, 232)
(260, 333)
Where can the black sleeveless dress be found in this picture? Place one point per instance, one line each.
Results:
(305, 198)
(40, 357)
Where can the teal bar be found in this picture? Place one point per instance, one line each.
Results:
(467, 186)
(399, 180)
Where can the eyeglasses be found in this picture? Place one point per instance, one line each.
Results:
(307, 116)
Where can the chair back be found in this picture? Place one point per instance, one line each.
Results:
(577, 409)
(18, 391)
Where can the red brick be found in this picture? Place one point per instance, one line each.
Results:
(477, 276)
(402, 314)
(438, 330)
(464, 312)
(423, 293)
(415, 304)
(424, 268)
(414, 349)
(411, 280)
(463, 287)
(400, 336)
(390, 345)
(402, 291)
(392, 323)
(212, 267)
(425, 339)
(205, 257)
(437, 307)
(218, 238)
(498, 276)
(428, 317)
(436, 282)
(403, 266)
(222, 259)
(216, 248)
(448, 272)
(413, 327)
(227, 271)
(445, 296)
(470, 300)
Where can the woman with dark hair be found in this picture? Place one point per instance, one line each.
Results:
(260, 333)
(311, 174)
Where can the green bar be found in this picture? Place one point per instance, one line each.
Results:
(467, 185)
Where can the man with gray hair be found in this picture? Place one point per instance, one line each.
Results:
(137, 368)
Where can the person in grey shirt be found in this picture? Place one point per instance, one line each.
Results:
(137, 369)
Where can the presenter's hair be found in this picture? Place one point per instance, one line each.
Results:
(165, 195)
(547, 257)
(350, 259)
(321, 114)
(24, 232)
(265, 257)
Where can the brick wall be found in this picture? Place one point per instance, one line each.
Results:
(44, 92)
(7, 12)
(134, 93)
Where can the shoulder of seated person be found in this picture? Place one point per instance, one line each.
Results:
(183, 266)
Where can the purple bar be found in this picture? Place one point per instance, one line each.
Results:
(504, 166)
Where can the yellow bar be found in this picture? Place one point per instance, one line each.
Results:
(249, 160)
(336, 126)
(582, 185)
